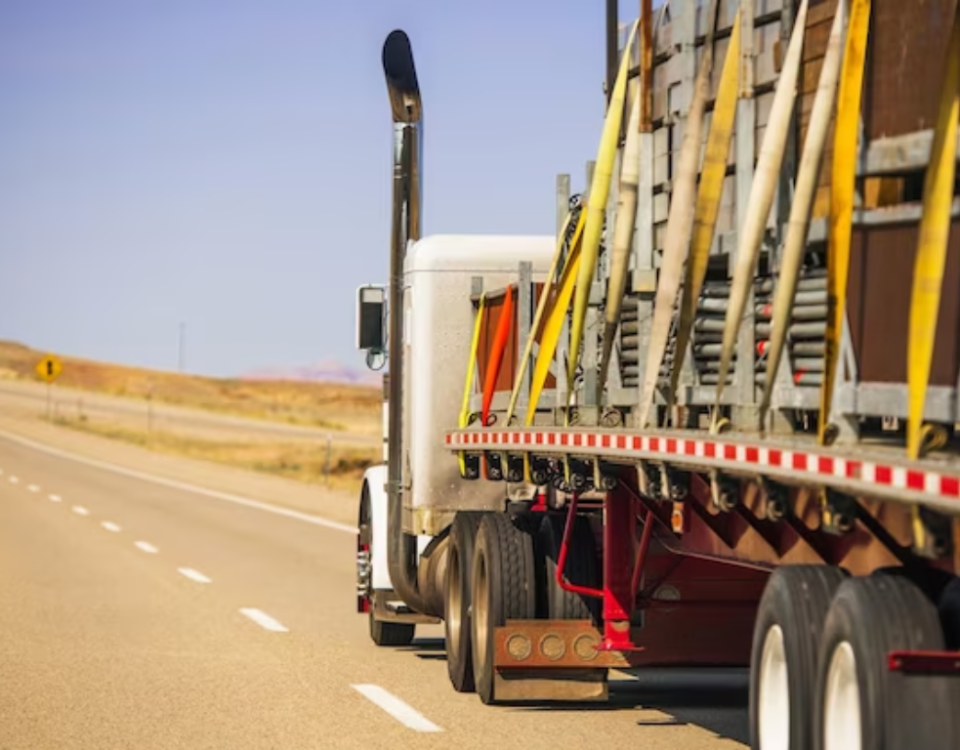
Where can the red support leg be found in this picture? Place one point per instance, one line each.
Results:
(565, 548)
(619, 535)
(641, 560)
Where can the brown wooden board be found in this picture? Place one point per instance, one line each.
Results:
(908, 46)
(881, 267)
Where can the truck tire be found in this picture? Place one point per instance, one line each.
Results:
(783, 662)
(382, 633)
(941, 588)
(949, 609)
(457, 600)
(553, 603)
(860, 702)
(385, 633)
(503, 587)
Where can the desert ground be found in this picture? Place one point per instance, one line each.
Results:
(317, 433)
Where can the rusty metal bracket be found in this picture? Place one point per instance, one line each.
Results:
(553, 644)
(661, 512)
(883, 536)
(717, 524)
(809, 537)
(762, 527)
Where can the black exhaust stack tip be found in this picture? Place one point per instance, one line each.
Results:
(401, 75)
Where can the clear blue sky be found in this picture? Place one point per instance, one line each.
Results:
(228, 163)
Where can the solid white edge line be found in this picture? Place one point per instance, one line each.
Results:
(264, 620)
(55, 498)
(80, 510)
(399, 710)
(193, 575)
(110, 526)
(146, 547)
(183, 486)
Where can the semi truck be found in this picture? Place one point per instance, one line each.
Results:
(712, 419)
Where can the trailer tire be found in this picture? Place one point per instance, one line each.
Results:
(457, 601)
(860, 702)
(949, 608)
(503, 588)
(783, 663)
(384, 633)
(941, 588)
(553, 602)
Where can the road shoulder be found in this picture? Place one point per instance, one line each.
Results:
(334, 505)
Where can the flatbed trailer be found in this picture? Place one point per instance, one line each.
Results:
(564, 526)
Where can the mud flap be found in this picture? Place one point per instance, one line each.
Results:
(551, 684)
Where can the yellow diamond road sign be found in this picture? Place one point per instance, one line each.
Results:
(49, 368)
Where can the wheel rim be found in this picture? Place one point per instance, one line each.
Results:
(773, 713)
(841, 721)
(454, 599)
(481, 615)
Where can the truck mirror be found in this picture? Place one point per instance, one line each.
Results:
(371, 301)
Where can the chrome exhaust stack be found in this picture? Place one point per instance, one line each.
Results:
(407, 111)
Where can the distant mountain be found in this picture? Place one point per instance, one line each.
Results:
(322, 372)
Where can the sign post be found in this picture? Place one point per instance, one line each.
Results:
(48, 369)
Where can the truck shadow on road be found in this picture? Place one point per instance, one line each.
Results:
(714, 699)
(428, 649)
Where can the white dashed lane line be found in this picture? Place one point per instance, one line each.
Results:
(146, 547)
(80, 510)
(110, 526)
(55, 498)
(237, 499)
(399, 710)
(263, 620)
(193, 575)
(13, 480)
(33, 488)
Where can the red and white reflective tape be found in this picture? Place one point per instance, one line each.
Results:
(876, 470)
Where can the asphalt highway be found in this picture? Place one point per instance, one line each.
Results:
(137, 614)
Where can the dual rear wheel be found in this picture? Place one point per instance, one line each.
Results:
(819, 672)
(503, 568)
